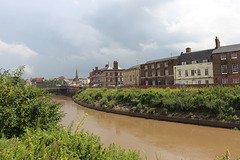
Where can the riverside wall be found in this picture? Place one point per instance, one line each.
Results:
(196, 121)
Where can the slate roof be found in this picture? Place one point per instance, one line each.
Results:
(164, 59)
(230, 48)
(198, 56)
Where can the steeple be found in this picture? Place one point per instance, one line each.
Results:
(76, 74)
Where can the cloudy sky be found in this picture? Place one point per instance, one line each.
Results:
(54, 37)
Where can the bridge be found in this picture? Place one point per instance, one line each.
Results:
(62, 90)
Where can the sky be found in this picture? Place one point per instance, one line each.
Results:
(53, 38)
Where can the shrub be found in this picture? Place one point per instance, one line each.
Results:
(24, 107)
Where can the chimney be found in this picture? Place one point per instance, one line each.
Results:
(217, 42)
(96, 68)
(188, 50)
(106, 65)
(115, 65)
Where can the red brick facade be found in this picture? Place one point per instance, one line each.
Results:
(226, 67)
(159, 72)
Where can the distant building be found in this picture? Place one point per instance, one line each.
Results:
(194, 67)
(107, 76)
(131, 76)
(158, 72)
(226, 61)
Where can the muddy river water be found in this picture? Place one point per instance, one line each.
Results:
(168, 140)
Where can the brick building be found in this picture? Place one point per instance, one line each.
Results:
(226, 61)
(107, 76)
(158, 72)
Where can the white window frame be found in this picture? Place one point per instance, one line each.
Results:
(234, 55)
(235, 79)
(235, 70)
(223, 69)
(223, 57)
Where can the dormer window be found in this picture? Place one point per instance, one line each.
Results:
(194, 62)
(183, 63)
(204, 60)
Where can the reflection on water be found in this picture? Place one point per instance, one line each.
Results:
(168, 140)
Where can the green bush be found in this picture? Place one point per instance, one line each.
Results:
(24, 107)
(61, 144)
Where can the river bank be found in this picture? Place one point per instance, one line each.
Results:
(214, 106)
(170, 118)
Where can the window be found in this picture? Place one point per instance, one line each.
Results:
(113, 79)
(192, 72)
(235, 79)
(186, 82)
(146, 82)
(224, 69)
(194, 62)
(153, 83)
(125, 79)
(130, 78)
(186, 73)
(166, 82)
(153, 73)
(234, 55)
(152, 66)
(223, 57)
(179, 73)
(166, 64)
(224, 80)
(235, 68)
(133, 78)
(204, 60)
(146, 67)
(180, 82)
(137, 77)
(166, 72)
(158, 65)
(199, 72)
(206, 72)
(119, 73)
(199, 82)
(158, 73)
(146, 74)
(206, 81)
(183, 63)
(119, 79)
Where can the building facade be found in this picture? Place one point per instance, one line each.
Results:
(226, 61)
(194, 67)
(131, 76)
(107, 76)
(158, 72)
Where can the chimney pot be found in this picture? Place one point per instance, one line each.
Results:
(188, 50)
(217, 42)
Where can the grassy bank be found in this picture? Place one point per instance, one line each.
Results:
(220, 103)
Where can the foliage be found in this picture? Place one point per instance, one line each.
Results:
(24, 107)
(58, 143)
(219, 102)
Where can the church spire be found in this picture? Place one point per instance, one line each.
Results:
(76, 74)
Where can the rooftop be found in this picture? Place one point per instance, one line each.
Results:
(164, 59)
(230, 48)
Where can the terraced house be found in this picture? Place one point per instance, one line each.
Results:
(194, 67)
(158, 72)
(226, 61)
(131, 76)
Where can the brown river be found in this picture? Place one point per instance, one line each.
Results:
(167, 140)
